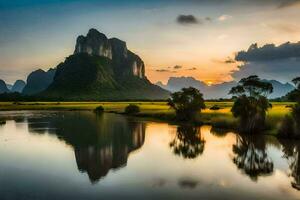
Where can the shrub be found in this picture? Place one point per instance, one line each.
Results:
(287, 128)
(99, 110)
(215, 107)
(186, 103)
(132, 109)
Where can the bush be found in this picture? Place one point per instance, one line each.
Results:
(99, 110)
(132, 109)
(215, 107)
(287, 128)
(187, 103)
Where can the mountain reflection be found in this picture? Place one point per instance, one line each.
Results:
(291, 150)
(188, 142)
(251, 156)
(100, 143)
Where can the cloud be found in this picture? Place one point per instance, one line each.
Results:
(209, 19)
(269, 61)
(283, 70)
(229, 61)
(269, 52)
(177, 67)
(278, 4)
(165, 70)
(187, 20)
(193, 68)
(224, 17)
(288, 3)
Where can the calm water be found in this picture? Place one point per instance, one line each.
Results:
(78, 155)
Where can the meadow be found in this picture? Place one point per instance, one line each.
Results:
(221, 118)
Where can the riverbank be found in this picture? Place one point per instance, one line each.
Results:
(220, 118)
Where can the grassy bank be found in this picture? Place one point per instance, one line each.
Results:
(221, 118)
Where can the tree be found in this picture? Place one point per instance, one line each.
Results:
(187, 103)
(296, 81)
(188, 142)
(290, 125)
(251, 103)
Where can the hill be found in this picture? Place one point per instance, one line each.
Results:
(221, 90)
(102, 69)
(38, 81)
(3, 87)
(18, 86)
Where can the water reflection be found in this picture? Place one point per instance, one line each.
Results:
(291, 152)
(188, 142)
(251, 156)
(43, 154)
(100, 143)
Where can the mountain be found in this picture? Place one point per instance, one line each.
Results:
(102, 69)
(18, 86)
(38, 81)
(280, 89)
(176, 83)
(9, 86)
(219, 90)
(3, 87)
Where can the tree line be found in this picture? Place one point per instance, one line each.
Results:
(250, 105)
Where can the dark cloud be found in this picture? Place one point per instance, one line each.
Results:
(193, 68)
(165, 70)
(187, 20)
(229, 61)
(270, 62)
(177, 67)
(269, 52)
(209, 19)
(288, 3)
(282, 70)
(274, 3)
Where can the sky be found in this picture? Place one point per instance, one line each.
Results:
(200, 38)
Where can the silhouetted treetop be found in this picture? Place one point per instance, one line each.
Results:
(252, 86)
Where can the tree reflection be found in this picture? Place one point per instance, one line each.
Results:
(188, 142)
(251, 156)
(291, 150)
(100, 143)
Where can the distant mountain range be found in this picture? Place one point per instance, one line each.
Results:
(16, 87)
(3, 87)
(104, 69)
(99, 69)
(219, 90)
(38, 81)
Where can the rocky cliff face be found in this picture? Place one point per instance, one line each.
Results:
(125, 62)
(102, 69)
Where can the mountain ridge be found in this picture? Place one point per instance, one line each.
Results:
(102, 69)
(220, 90)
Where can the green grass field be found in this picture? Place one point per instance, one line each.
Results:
(221, 118)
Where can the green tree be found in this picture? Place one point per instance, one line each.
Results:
(290, 125)
(295, 94)
(251, 103)
(187, 103)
